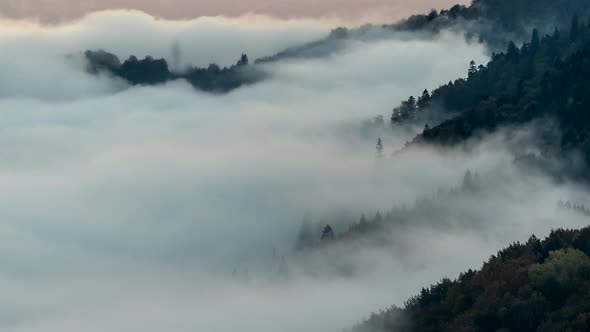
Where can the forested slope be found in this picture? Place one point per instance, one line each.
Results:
(539, 285)
(548, 77)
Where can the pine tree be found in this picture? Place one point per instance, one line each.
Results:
(512, 53)
(327, 233)
(379, 147)
(424, 99)
(472, 69)
(243, 60)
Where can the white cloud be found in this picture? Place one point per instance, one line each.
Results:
(128, 210)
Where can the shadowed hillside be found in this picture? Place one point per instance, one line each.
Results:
(546, 78)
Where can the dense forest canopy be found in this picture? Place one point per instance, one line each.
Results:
(546, 78)
(539, 285)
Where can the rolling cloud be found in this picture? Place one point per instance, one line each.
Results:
(128, 208)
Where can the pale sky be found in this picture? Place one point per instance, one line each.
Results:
(58, 10)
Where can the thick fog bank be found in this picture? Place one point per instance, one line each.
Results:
(162, 208)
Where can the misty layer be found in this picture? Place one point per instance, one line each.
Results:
(131, 207)
(161, 208)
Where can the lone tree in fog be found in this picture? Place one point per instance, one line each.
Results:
(379, 147)
(327, 233)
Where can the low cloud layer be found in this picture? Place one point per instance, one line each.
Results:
(129, 209)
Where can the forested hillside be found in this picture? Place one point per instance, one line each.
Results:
(539, 285)
(493, 22)
(547, 77)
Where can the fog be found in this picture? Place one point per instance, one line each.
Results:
(159, 208)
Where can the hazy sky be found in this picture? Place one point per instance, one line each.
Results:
(52, 10)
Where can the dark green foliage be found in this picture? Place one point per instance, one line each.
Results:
(548, 77)
(150, 71)
(517, 290)
(492, 21)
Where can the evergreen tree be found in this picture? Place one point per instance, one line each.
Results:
(379, 147)
(243, 60)
(424, 99)
(327, 233)
(512, 53)
(472, 69)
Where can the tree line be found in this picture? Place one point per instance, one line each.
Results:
(151, 71)
(548, 76)
(539, 285)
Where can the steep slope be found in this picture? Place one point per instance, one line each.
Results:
(533, 286)
(547, 77)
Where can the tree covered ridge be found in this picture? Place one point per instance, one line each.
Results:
(378, 229)
(547, 76)
(150, 71)
(493, 22)
(442, 210)
(539, 285)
